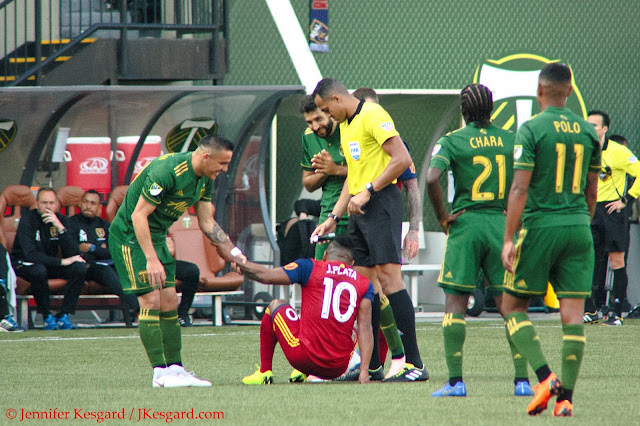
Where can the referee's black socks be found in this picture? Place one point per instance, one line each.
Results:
(375, 362)
(406, 321)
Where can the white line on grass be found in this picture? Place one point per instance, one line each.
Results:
(133, 336)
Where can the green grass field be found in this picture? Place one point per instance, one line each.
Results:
(107, 370)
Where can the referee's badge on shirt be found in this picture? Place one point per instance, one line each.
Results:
(354, 150)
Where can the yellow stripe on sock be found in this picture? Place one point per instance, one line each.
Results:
(449, 320)
(146, 316)
(514, 326)
(574, 338)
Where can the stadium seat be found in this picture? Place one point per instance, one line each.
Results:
(70, 198)
(115, 200)
(193, 246)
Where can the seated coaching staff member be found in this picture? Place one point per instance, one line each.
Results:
(41, 233)
(93, 232)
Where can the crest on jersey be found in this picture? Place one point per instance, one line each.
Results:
(387, 125)
(514, 83)
(517, 152)
(155, 189)
(53, 231)
(100, 232)
(354, 150)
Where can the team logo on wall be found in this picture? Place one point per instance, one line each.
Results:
(8, 131)
(514, 83)
(186, 135)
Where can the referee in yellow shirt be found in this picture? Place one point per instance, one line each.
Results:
(610, 222)
(375, 158)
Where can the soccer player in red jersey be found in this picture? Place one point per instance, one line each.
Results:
(321, 339)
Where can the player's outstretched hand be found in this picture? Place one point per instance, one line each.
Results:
(323, 228)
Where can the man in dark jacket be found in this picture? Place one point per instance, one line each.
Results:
(92, 232)
(42, 234)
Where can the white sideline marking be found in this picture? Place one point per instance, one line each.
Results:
(132, 336)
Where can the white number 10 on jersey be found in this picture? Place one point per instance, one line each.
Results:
(331, 300)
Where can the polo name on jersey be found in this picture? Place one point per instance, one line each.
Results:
(341, 270)
(566, 127)
(485, 141)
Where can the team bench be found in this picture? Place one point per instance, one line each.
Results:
(26, 306)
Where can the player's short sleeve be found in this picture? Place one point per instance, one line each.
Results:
(158, 181)
(299, 271)
(370, 293)
(440, 155)
(379, 124)
(524, 149)
(305, 160)
(410, 172)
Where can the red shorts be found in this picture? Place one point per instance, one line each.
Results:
(286, 325)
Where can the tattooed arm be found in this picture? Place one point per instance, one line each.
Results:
(414, 207)
(214, 232)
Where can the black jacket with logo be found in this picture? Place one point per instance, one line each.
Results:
(93, 230)
(39, 242)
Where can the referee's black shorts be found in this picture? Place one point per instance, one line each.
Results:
(610, 231)
(376, 234)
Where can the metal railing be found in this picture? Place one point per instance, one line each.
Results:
(34, 34)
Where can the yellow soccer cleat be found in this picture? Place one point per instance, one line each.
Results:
(297, 376)
(259, 378)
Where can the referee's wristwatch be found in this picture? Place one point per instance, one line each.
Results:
(369, 188)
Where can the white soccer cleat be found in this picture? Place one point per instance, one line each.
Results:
(396, 366)
(165, 378)
(188, 377)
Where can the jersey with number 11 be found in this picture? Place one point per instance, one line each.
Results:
(559, 148)
(331, 296)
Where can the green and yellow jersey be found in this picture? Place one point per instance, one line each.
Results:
(617, 161)
(481, 159)
(169, 183)
(332, 186)
(560, 148)
(361, 138)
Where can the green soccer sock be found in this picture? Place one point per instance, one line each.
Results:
(171, 337)
(151, 336)
(454, 331)
(524, 337)
(519, 362)
(573, 343)
(389, 328)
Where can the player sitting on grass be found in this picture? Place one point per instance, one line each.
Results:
(320, 340)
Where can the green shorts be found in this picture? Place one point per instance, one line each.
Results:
(131, 265)
(562, 256)
(341, 229)
(474, 243)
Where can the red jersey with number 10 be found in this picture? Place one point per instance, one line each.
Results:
(331, 295)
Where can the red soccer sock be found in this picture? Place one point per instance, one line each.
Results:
(268, 341)
(382, 347)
